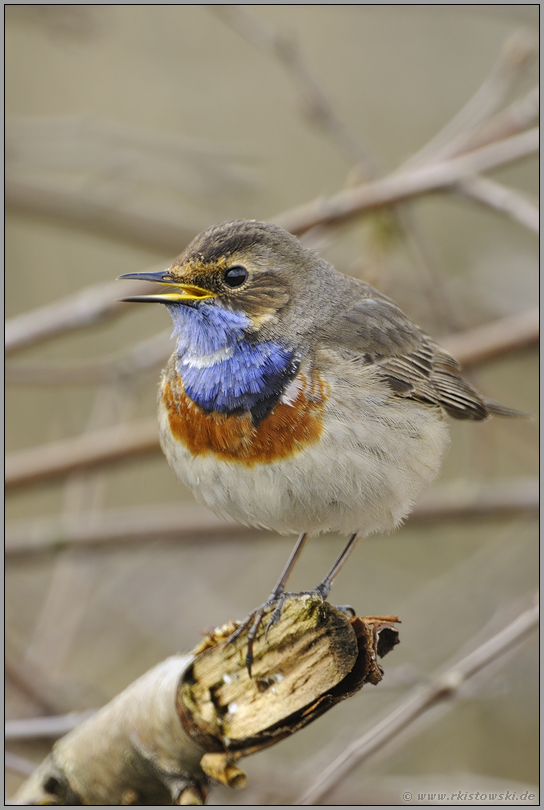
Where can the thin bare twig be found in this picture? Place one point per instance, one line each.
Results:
(82, 452)
(181, 523)
(514, 119)
(190, 523)
(404, 185)
(36, 727)
(518, 52)
(87, 307)
(29, 685)
(506, 200)
(313, 101)
(494, 339)
(41, 196)
(445, 685)
(123, 157)
(18, 764)
(120, 367)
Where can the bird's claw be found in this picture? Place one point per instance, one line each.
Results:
(277, 601)
(347, 610)
(276, 614)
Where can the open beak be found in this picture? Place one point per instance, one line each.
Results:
(185, 292)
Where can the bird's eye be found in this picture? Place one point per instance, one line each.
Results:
(235, 276)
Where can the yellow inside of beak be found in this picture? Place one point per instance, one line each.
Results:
(187, 292)
(184, 292)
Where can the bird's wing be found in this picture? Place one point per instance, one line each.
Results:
(408, 360)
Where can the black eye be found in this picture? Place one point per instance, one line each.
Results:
(235, 276)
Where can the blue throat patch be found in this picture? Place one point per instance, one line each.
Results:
(221, 369)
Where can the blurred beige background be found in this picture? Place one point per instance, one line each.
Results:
(168, 114)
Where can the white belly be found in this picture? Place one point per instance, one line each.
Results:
(362, 475)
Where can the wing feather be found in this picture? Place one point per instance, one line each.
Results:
(409, 361)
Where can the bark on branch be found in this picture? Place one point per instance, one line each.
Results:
(186, 723)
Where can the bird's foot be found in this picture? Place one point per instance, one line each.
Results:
(253, 622)
(276, 600)
(323, 590)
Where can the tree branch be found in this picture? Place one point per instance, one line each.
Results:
(84, 452)
(494, 339)
(313, 101)
(35, 727)
(514, 119)
(187, 722)
(404, 185)
(18, 764)
(121, 367)
(85, 308)
(40, 196)
(503, 199)
(518, 52)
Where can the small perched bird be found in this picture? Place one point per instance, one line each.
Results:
(299, 399)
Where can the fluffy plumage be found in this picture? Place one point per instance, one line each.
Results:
(301, 399)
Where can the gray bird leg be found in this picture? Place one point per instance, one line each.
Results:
(255, 618)
(324, 587)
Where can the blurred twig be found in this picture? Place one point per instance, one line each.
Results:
(518, 52)
(517, 117)
(49, 160)
(192, 523)
(405, 184)
(123, 366)
(83, 452)
(443, 686)
(121, 155)
(503, 199)
(512, 120)
(138, 524)
(28, 684)
(85, 308)
(42, 196)
(494, 339)
(18, 764)
(313, 101)
(35, 727)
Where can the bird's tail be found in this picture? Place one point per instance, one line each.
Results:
(497, 409)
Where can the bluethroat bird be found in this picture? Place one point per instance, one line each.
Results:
(298, 399)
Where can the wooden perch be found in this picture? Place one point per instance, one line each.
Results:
(186, 723)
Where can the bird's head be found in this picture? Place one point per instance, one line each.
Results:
(247, 273)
